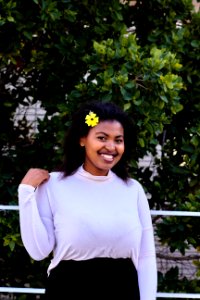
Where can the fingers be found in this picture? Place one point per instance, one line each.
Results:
(35, 177)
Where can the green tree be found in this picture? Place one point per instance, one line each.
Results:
(177, 180)
(144, 57)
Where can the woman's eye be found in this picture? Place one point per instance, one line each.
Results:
(119, 141)
(101, 138)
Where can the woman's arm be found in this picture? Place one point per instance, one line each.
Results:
(147, 267)
(36, 220)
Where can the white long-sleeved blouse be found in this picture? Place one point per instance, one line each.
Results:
(83, 216)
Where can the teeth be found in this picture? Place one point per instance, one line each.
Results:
(108, 157)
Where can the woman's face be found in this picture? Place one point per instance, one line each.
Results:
(104, 147)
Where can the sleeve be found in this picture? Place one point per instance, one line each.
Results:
(36, 221)
(147, 266)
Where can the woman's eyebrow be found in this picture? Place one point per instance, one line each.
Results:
(102, 132)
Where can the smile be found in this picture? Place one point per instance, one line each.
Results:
(108, 157)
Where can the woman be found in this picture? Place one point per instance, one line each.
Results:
(90, 215)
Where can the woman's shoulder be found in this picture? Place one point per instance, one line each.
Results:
(55, 176)
(135, 183)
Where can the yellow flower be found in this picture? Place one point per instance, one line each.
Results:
(91, 119)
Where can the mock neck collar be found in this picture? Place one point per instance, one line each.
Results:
(82, 172)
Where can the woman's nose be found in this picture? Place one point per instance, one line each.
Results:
(110, 145)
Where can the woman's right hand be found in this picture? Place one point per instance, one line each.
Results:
(35, 177)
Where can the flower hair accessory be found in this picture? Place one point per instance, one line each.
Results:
(91, 119)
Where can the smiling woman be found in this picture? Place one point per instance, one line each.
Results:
(104, 147)
(111, 126)
(92, 217)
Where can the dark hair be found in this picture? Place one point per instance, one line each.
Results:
(74, 154)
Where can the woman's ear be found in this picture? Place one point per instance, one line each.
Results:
(81, 142)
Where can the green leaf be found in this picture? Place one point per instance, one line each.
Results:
(138, 102)
(176, 108)
(126, 95)
(164, 98)
(195, 140)
(130, 85)
(195, 43)
(127, 106)
(10, 19)
(141, 142)
(107, 97)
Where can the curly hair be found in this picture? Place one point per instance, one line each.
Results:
(74, 154)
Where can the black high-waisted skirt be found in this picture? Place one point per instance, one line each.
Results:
(98, 278)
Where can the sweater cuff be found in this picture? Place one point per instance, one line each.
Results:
(24, 192)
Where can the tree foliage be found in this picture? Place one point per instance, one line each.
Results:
(143, 56)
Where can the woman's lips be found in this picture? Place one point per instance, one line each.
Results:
(108, 157)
